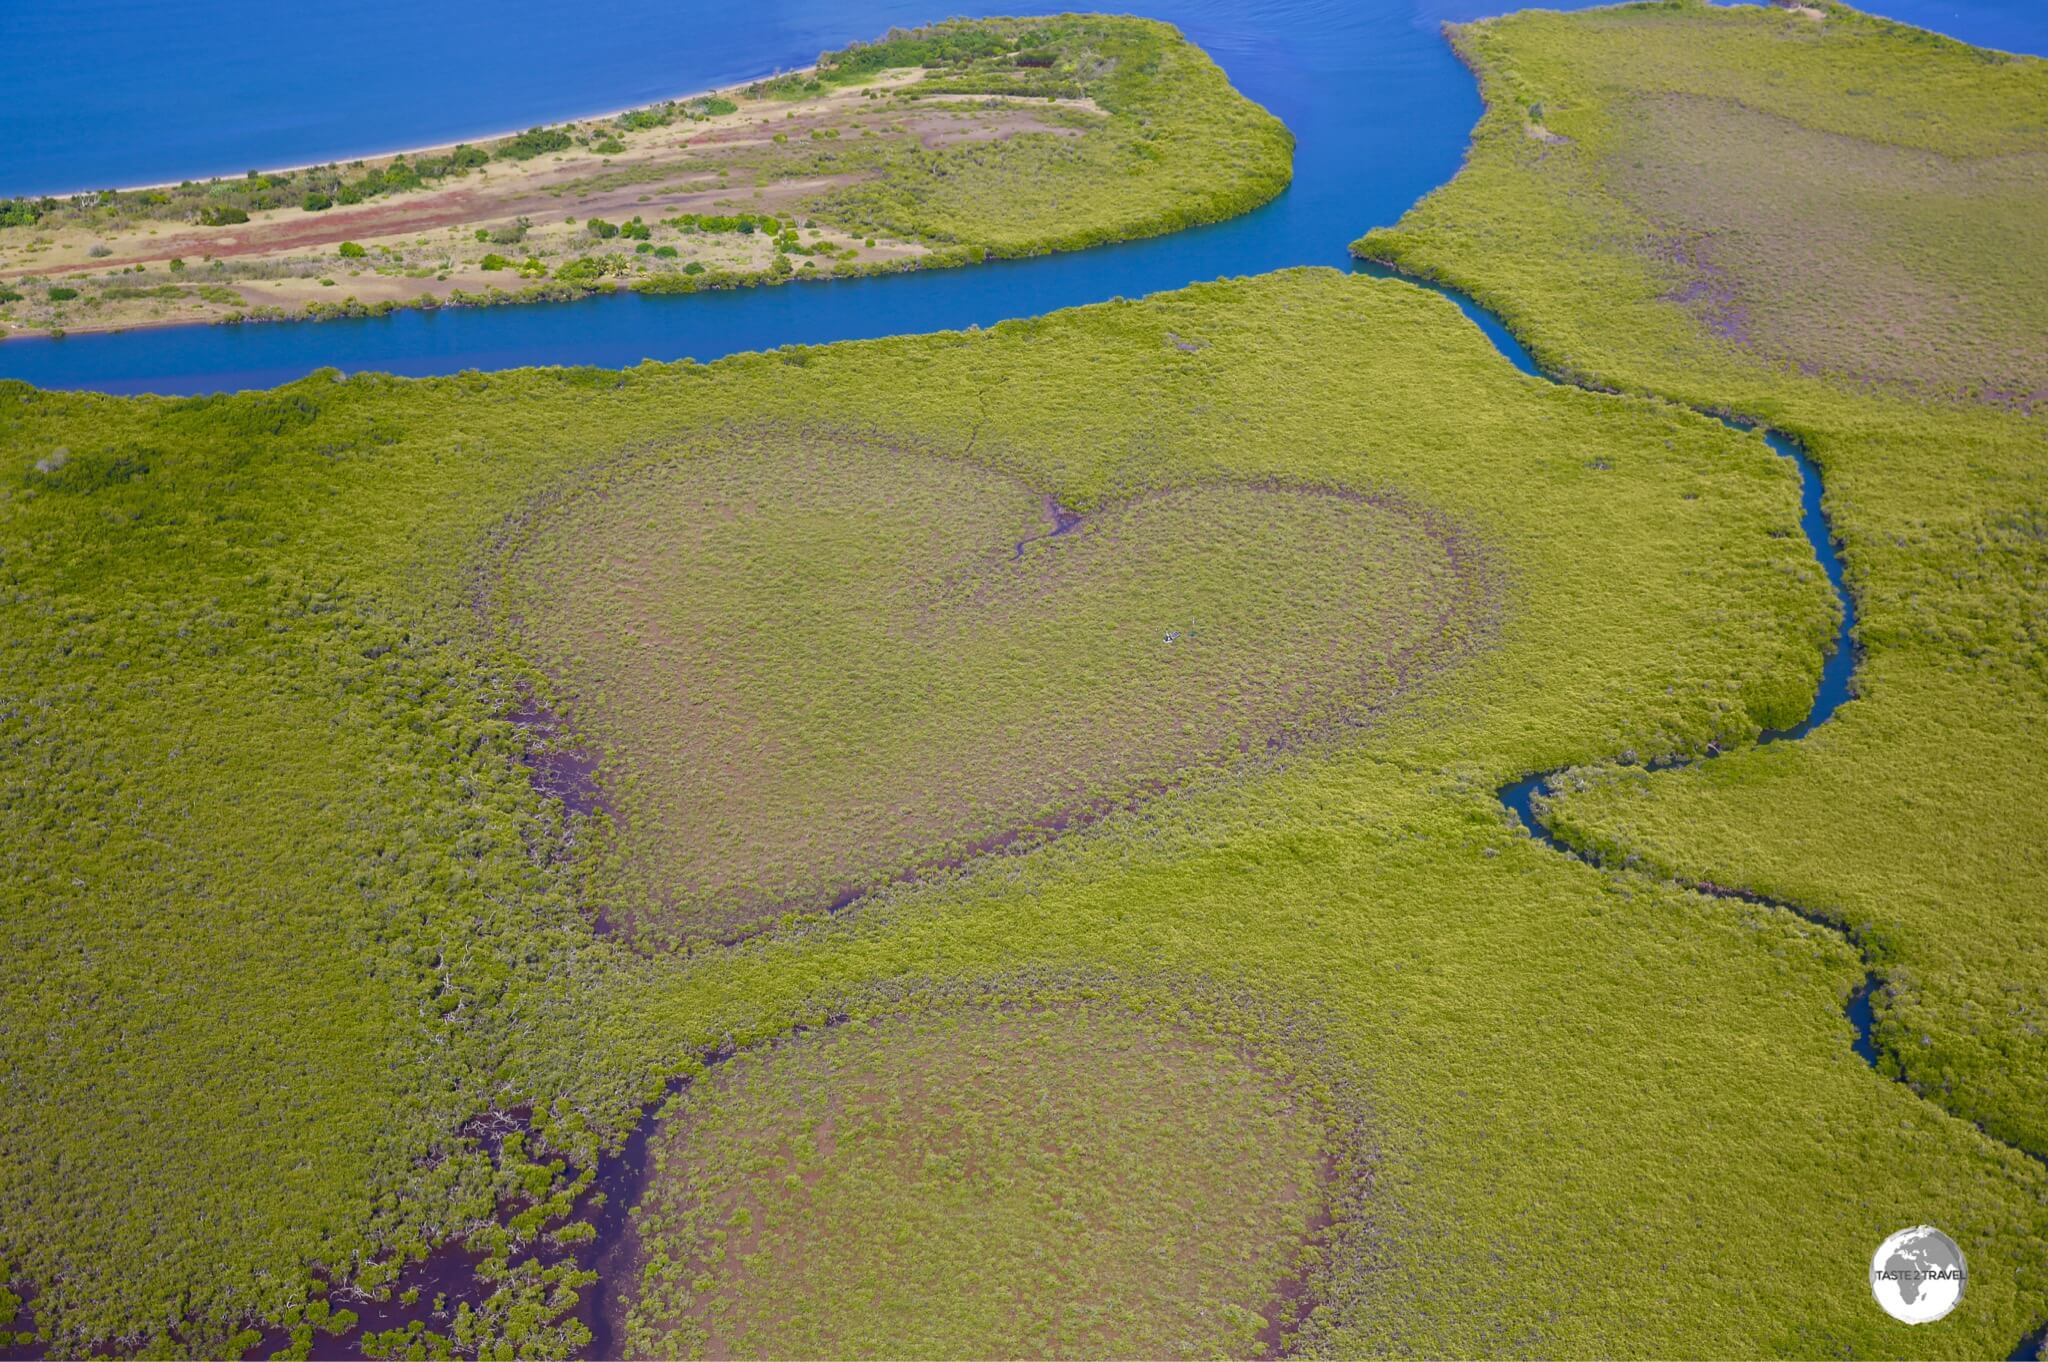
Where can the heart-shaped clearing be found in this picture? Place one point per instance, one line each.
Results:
(974, 1182)
(815, 666)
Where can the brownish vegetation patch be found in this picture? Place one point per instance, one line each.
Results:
(1846, 256)
(991, 1181)
(818, 663)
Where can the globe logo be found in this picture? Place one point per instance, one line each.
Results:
(1918, 1275)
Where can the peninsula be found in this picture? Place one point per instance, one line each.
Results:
(943, 145)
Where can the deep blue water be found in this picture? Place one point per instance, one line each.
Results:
(1839, 668)
(119, 91)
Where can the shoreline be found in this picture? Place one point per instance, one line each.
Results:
(430, 249)
(489, 299)
(478, 139)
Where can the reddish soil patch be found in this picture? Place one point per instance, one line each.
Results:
(748, 134)
(1294, 1295)
(437, 210)
(560, 768)
(1710, 294)
(444, 208)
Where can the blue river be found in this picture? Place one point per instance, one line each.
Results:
(116, 92)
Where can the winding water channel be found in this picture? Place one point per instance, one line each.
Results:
(1381, 110)
(1837, 668)
(1836, 686)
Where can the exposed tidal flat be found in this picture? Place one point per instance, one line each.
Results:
(1448, 1090)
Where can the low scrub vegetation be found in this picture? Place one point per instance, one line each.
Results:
(1814, 218)
(282, 873)
(986, 1179)
(824, 664)
(1179, 147)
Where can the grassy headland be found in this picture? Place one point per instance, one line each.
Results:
(289, 914)
(1828, 222)
(933, 146)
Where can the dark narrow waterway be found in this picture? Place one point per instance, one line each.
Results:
(1835, 688)
(1837, 668)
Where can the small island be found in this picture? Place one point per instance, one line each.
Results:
(943, 145)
